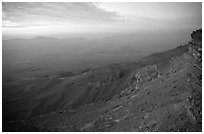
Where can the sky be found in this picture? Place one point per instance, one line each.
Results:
(25, 19)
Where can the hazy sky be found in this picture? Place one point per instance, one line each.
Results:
(34, 19)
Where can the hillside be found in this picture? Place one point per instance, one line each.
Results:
(160, 92)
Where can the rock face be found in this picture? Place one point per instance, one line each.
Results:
(161, 92)
(197, 37)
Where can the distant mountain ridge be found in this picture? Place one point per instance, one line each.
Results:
(45, 37)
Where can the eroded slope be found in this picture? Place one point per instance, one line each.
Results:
(162, 92)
